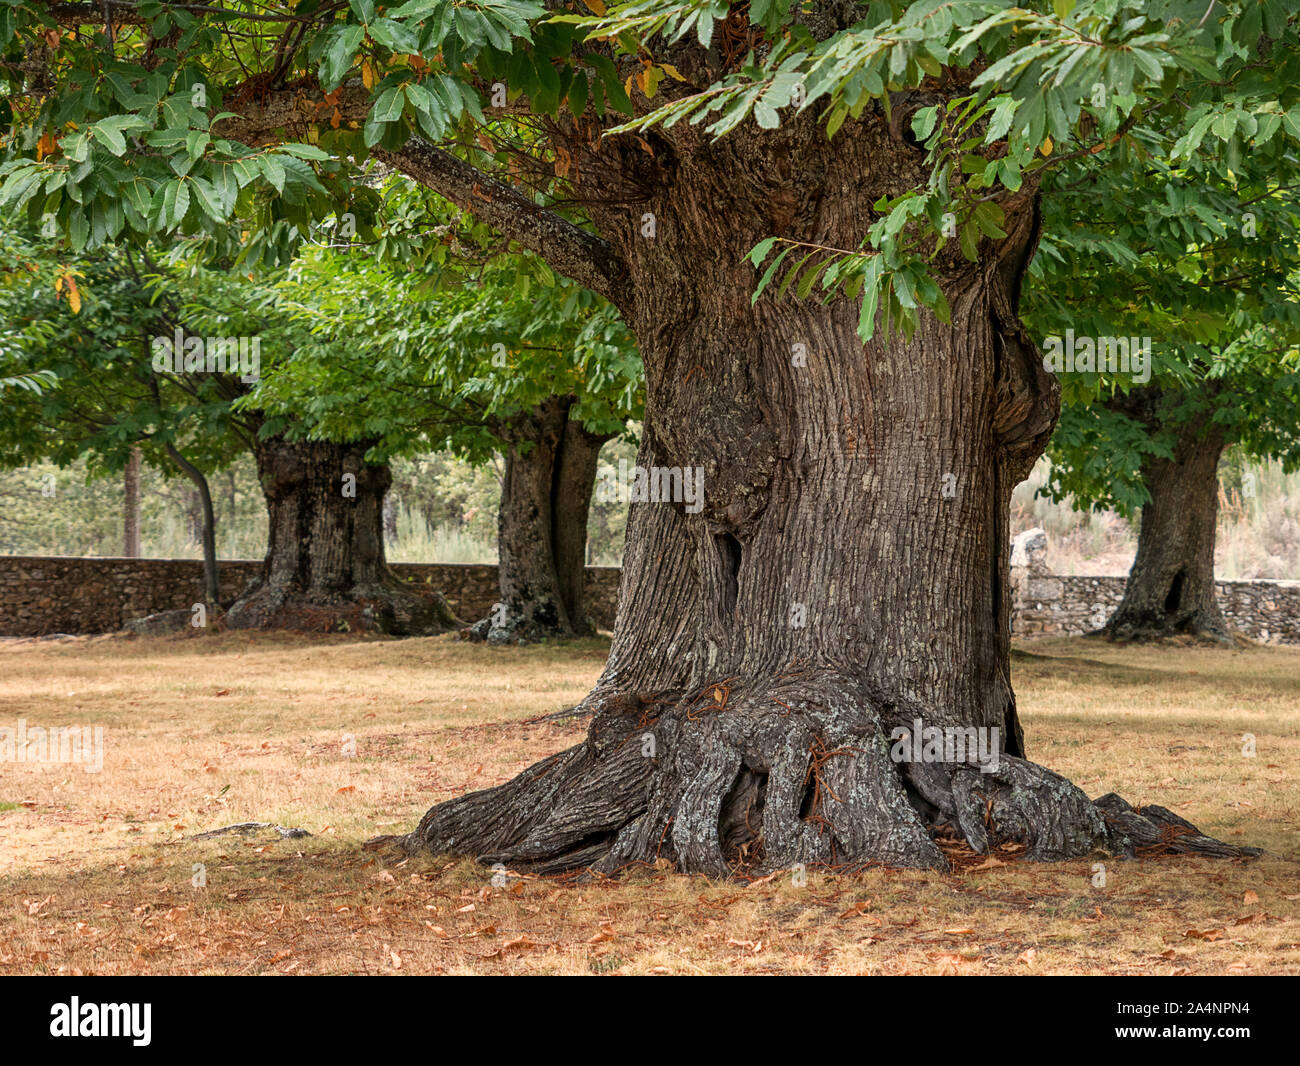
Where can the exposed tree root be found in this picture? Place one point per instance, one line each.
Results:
(395, 609)
(505, 625)
(801, 771)
(1155, 830)
(288, 832)
(1209, 628)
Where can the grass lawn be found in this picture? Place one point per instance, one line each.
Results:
(203, 732)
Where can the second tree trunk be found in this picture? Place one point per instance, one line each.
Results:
(1170, 588)
(550, 470)
(325, 566)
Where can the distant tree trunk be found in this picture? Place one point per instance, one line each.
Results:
(211, 580)
(325, 567)
(1170, 588)
(550, 470)
(194, 516)
(131, 506)
(232, 504)
(390, 520)
(575, 478)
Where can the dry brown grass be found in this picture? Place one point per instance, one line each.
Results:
(205, 732)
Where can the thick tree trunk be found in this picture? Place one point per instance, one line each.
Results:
(550, 471)
(846, 574)
(325, 568)
(1170, 588)
(131, 506)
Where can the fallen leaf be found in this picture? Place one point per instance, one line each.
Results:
(520, 943)
(606, 933)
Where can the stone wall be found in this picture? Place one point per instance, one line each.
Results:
(40, 595)
(1045, 604)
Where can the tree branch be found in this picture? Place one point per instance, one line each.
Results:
(287, 114)
(276, 115)
(568, 249)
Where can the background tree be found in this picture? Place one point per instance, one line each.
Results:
(480, 361)
(1198, 258)
(80, 323)
(325, 561)
(857, 439)
(326, 564)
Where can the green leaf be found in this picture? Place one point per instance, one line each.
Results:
(761, 250)
(273, 170)
(923, 123)
(388, 108)
(767, 277)
(176, 203)
(394, 36)
(110, 138)
(207, 198)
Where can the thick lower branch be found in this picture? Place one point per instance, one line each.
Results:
(568, 249)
